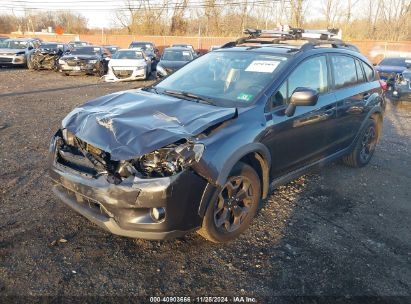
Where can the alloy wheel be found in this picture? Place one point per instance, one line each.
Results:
(368, 144)
(234, 204)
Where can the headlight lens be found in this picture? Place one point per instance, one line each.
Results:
(161, 70)
(68, 137)
(141, 67)
(61, 61)
(169, 161)
(92, 61)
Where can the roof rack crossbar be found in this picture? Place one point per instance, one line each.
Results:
(277, 37)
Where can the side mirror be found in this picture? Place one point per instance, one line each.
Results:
(301, 97)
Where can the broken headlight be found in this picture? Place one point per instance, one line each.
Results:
(169, 160)
(68, 137)
(161, 71)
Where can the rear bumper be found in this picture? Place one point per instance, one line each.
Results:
(401, 93)
(125, 209)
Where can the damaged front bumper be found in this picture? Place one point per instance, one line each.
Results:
(83, 68)
(126, 209)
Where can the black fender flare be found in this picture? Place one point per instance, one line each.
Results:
(377, 109)
(212, 189)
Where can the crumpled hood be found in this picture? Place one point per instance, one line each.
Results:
(130, 124)
(12, 51)
(390, 69)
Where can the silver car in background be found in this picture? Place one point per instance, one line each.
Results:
(16, 51)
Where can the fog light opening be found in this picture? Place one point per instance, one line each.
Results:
(158, 214)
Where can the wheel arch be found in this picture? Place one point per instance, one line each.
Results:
(257, 156)
(377, 116)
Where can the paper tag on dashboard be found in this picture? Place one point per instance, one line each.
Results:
(262, 66)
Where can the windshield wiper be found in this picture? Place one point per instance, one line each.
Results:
(151, 88)
(190, 95)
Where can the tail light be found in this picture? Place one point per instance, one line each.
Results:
(383, 85)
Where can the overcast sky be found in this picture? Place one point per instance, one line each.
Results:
(100, 13)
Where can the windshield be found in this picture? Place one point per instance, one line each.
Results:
(183, 45)
(228, 78)
(141, 45)
(87, 50)
(15, 44)
(51, 46)
(396, 61)
(128, 55)
(78, 43)
(177, 55)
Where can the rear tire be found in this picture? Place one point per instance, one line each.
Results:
(364, 147)
(234, 207)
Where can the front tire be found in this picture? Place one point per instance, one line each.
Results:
(29, 64)
(100, 70)
(364, 147)
(234, 206)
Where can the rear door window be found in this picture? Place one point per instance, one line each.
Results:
(360, 73)
(344, 70)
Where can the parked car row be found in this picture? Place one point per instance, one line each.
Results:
(136, 62)
(397, 73)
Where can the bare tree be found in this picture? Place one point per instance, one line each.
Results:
(298, 8)
(331, 10)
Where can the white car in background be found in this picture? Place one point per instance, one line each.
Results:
(128, 65)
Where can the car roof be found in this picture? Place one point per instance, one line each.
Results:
(52, 42)
(146, 42)
(133, 50)
(23, 39)
(266, 48)
(288, 49)
(181, 44)
(176, 48)
(405, 58)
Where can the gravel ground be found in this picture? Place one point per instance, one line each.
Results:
(341, 232)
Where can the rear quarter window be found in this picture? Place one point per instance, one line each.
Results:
(369, 72)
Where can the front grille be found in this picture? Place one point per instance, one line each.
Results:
(123, 73)
(6, 59)
(76, 62)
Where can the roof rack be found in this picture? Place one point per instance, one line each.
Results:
(277, 37)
